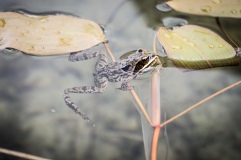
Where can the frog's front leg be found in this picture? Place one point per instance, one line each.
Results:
(84, 56)
(125, 86)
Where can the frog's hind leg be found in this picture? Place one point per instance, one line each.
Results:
(100, 82)
(83, 89)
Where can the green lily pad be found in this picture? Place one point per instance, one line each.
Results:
(214, 8)
(195, 47)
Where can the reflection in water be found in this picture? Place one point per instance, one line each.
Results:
(31, 87)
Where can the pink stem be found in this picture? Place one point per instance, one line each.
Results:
(155, 111)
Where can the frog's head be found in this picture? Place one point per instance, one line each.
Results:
(140, 61)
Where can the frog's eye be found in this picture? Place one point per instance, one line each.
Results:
(140, 50)
(141, 64)
(126, 68)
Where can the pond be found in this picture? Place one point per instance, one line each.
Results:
(34, 118)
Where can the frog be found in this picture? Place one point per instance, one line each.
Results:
(129, 66)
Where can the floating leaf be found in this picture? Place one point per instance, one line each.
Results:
(163, 7)
(47, 35)
(215, 8)
(194, 47)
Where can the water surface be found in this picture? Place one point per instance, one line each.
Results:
(35, 119)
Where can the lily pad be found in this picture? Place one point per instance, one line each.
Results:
(195, 47)
(214, 8)
(48, 35)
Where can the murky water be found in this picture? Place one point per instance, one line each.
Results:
(34, 118)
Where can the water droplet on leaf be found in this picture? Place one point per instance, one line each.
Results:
(167, 36)
(31, 48)
(65, 41)
(233, 11)
(206, 9)
(211, 46)
(43, 20)
(220, 46)
(42, 29)
(176, 47)
(192, 44)
(58, 32)
(2, 22)
(217, 1)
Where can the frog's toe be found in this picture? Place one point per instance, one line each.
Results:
(125, 87)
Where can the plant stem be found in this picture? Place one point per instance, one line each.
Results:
(109, 52)
(199, 103)
(142, 108)
(155, 97)
(155, 110)
(20, 154)
(154, 144)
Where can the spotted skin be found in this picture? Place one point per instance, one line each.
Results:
(124, 70)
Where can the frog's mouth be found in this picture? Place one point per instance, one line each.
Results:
(147, 63)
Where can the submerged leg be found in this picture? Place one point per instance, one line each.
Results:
(100, 82)
(83, 89)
